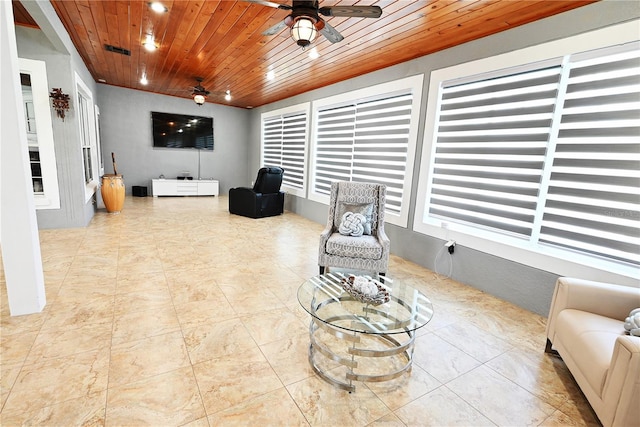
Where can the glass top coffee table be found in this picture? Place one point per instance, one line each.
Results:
(351, 340)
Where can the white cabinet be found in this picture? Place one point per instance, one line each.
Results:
(184, 187)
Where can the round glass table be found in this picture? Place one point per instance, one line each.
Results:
(351, 340)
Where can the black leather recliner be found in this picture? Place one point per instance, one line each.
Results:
(264, 199)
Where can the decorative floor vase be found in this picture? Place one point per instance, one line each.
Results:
(112, 191)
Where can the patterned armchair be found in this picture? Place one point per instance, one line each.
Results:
(368, 248)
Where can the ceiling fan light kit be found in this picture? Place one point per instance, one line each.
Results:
(303, 31)
(198, 99)
(199, 92)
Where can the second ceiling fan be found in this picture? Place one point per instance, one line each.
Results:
(304, 20)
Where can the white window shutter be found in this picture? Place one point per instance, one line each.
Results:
(334, 146)
(284, 139)
(593, 200)
(490, 149)
(550, 154)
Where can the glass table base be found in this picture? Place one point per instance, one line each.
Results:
(374, 358)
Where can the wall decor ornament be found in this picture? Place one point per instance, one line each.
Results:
(60, 101)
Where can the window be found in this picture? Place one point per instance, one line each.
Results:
(85, 137)
(544, 157)
(88, 138)
(368, 136)
(491, 141)
(284, 144)
(592, 197)
(98, 143)
(42, 157)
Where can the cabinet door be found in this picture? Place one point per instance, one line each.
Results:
(207, 188)
(164, 187)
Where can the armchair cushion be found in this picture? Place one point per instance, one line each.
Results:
(364, 209)
(591, 338)
(352, 224)
(632, 323)
(366, 247)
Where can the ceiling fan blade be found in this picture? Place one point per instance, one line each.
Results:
(331, 33)
(270, 4)
(275, 29)
(352, 11)
(200, 90)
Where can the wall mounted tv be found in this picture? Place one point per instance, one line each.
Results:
(182, 131)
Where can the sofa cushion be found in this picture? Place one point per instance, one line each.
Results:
(591, 338)
(366, 247)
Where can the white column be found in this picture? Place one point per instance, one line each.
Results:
(18, 225)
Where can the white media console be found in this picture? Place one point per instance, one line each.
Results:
(184, 187)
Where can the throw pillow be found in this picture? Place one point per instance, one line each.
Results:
(352, 224)
(632, 323)
(365, 209)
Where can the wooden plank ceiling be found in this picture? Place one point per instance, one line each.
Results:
(222, 41)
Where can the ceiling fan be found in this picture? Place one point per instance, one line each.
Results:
(199, 93)
(305, 21)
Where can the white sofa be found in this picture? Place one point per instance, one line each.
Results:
(586, 328)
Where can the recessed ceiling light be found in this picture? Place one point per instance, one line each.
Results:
(156, 6)
(313, 53)
(144, 80)
(271, 75)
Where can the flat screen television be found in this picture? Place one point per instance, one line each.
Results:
(182, 131)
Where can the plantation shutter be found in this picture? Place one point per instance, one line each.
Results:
(283, 145)
(365, 141)
(593, 200)
(380, 146)
(272, 141)
(334, 146)
(293, 142)
(490, 149)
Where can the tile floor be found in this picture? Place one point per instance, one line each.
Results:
(175, 312)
